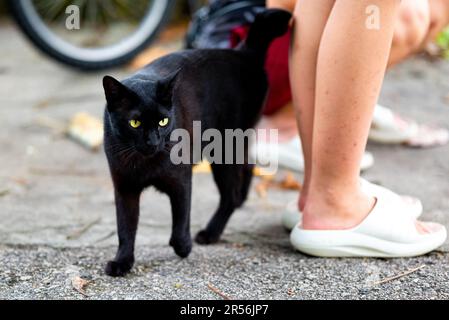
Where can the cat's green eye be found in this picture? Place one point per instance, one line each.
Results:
(163, 122)
(135, 123)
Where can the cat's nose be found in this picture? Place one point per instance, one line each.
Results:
(152, 140)
(151, 144)
(150, 149)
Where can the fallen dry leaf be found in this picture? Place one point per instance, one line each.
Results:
(80, 284)
(87, 130)
(290, 183)
(238, 245)
(261, 172)
(203, 167)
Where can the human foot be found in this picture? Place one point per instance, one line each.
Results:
(386, 231)
(348, 214)
(292, 216)
(332, 211)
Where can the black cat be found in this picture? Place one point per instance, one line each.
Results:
(224, 89)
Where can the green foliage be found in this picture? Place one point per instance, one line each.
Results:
(443, 42)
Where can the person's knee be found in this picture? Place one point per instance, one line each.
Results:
(413, 26)
(439, 17)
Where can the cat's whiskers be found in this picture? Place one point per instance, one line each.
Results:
(123, 151)
(169, 145)
(117, 147)
(128, 156)
(126, 153)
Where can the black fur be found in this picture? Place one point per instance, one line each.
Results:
(224, 89)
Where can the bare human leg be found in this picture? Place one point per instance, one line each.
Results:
(303, 60)
(340, 103)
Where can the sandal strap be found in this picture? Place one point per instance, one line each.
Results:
(390, 220)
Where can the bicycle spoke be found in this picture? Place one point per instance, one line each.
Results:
(132, 10)
(104, 23)
(55, 11)
(92, 13)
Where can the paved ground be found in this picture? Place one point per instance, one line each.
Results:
(57, 216)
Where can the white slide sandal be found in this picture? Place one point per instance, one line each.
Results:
(289, 155)
(389, 128)
(389, 231)
(292, 216)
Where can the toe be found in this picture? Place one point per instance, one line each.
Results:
(428, 227)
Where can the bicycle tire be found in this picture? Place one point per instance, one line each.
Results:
(20, 16)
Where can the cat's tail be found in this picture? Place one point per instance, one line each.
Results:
(268, 25)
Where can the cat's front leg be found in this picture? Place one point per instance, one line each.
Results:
(127, 210)
(180, 199)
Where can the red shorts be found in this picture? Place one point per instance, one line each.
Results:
(276, 65)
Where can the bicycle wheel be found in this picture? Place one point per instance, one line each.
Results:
(110, 33)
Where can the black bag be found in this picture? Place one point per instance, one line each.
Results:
(212, 25)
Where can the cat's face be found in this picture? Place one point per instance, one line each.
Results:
(141, 120)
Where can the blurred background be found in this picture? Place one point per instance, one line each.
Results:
(92, 35)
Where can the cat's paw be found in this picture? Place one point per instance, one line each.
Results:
(204, 237)
(182, 247)
(118, 269)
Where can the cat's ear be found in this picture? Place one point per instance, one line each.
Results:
(164, 88)
(115, 92)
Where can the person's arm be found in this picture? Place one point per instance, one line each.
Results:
(288, 5)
